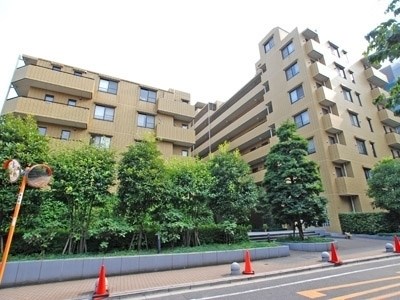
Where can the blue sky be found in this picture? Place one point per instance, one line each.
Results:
(205, 47)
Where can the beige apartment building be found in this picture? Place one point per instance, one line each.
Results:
(330, 99)
(80, 106)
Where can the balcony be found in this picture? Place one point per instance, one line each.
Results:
(393, 140)
(48, 112)
(176, 135)
(258, 155)
(376, 77)
(50, 80)
(332, 123)
(388, 118)
(314, 49)
(347, 186)
(258, 133)
(376, 92)
(340, 153)
(320, 72)
(258, 176)
(325, 96)
(179, 110)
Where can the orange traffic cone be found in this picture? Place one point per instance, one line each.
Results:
(396, 244)
(334, 256)
(101, 289)
(248, 270)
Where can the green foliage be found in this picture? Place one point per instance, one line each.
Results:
(20, 140)
(384, 185)
(292, 181)
(82, 179)
(369, 223)
(233, 192)
(226, 233)
(384, 43)
(141, 175)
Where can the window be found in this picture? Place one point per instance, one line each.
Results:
(340, 171)
(71, 102)
(185, 126)
(332, 139)
(104, 113)
(101, 141)
(185, 153)
(358, 98)
(340, 70)
(78, 73)
(146, 121)
(370, 124)
(269, 45)
(56, 68)
(42, 130)
(65, 134)
(289, 48)
(373, 149)
(296, 94)
(395, 153)
(49, 98)
(361, 147)
(185, 101)
(354, 119)
(367, 173)
(292, 71)
(311, 146)
(334, 49)
(148, 96)
(108, 86)
(352, 76)
(302, 119)
(347, 94)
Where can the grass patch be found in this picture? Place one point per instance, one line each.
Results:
(202, 248)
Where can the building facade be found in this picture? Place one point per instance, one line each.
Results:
(80, 106)
(330, 99)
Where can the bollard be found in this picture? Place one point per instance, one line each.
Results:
(235, 268)
(389, 247)
(325, 256)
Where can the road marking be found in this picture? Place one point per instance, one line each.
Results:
(316, 293)
(382, 288)
(293, 283)
(386, 296)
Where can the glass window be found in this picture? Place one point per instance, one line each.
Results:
(108, 86)
(354, 119)
(185, 153)
(148, 95)
(332, 139)
(65, 134)
(104, 113)
(347, 94)
(49, 98)
(101, 141)
(302, 119)
(296, 94)
(358, 98)
(334, 49)
(56, 68)
(42, 130)
(367, 173)
(373, 149)
(289, 48)
(146, 121)
(78, 73)
(340, 171)
(185, 126)
(269, 45)
(292, 71)
(340, 71)
(71, 102)
(352, 76)
(311, 146)
(370, 124)
(361, 147)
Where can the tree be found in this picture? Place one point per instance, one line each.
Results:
(188, 190)
(384, 185)
(82, 181)
(20, 140)
(384, 43)
(292, 181)
(233, 192)
(141, 175)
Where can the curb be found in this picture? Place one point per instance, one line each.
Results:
(234, 279)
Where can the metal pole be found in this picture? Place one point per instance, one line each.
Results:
(12, 226)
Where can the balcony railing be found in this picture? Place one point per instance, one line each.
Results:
(347, 186)
(325, 96)
(387, 117)
(320, 72)
(50, 80)
(176, 135)
(332, 123)
(393, 140)
(314, 49)
(340, 153)
(48, 112)
(376, 77)
(180, 110)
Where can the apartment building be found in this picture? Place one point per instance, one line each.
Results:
(330, 99)
(74, 105)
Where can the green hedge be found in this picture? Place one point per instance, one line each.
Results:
(369, 223)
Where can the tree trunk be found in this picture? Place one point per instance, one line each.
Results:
(300, 227)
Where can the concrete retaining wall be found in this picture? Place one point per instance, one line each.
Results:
(42, 271)
(310, 247)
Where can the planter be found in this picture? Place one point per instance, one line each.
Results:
(311, 247)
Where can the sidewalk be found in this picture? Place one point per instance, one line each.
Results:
(349, 251)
